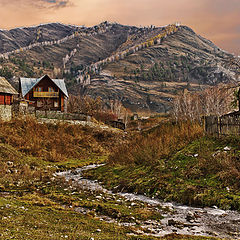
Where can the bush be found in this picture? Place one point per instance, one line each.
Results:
(149, 148)
(54, 143)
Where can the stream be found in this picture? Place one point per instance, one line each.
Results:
(180, 219)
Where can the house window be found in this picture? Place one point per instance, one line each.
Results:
(50, 89)
(55, 104)
(39, 89)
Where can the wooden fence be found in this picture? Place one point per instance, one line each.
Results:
(225, 125)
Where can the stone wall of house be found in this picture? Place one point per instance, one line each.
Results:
(22, 109)
(5, 112)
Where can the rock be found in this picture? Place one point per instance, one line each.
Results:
(10, 164)
(172, 222)
(227, 148)
(216, 153)
(190, 216)
(74, 172)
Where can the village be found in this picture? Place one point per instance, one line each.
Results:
(68, 171)
(34, 95)
(77, 163)
(46, 98)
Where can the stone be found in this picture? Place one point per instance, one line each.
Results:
(227, 148)
(10, 164)
(5, 112)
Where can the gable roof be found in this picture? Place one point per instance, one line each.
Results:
(6, 87)
(27, 84)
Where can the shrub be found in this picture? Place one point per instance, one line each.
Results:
(55, 143)
(149, 148)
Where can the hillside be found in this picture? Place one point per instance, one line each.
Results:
(151, 78)
(144, 68)
(23, 37)
(36, 202)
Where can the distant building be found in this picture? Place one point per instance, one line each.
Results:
(6, 92)
(44, 93)
(6, 99)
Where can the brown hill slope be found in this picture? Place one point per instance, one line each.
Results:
(146, 79)
(149, 79)
(22, 37)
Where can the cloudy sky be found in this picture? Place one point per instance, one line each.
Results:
(217, 20)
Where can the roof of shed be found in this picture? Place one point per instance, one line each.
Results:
(27, 84)
(6, 87)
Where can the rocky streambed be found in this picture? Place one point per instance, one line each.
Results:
(180, 219)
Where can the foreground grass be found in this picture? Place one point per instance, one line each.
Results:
(57, 142)
(27, 221)
(35, 205)
(30, 152)
(177, 165)
(21, 220)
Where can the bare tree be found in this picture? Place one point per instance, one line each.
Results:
(211, 101)
(85, 105)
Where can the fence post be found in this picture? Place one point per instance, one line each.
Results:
(219, 126)
(204, 124)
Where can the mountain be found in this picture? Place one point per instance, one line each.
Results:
(144, 68)
(22, 37)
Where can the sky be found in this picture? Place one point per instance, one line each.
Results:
(217, 20)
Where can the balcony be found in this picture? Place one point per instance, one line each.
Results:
(46, 94)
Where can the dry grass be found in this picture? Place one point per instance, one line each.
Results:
(152, 146)
(30, 152)
(19, 172)
(55, 142)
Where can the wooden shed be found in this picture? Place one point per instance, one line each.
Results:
(6, 92)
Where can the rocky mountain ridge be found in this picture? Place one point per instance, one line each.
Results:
(142, 67)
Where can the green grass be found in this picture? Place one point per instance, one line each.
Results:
(201, 174)
(28, 221)
(23, 219)
(34, 205)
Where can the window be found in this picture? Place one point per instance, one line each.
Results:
(39, 89)
(55, 104)
(50, 89)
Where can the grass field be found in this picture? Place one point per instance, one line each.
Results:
(36, 205)
(177, 163)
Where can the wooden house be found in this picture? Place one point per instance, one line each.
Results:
(44, 93)
(6, 99)
(6, 92)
